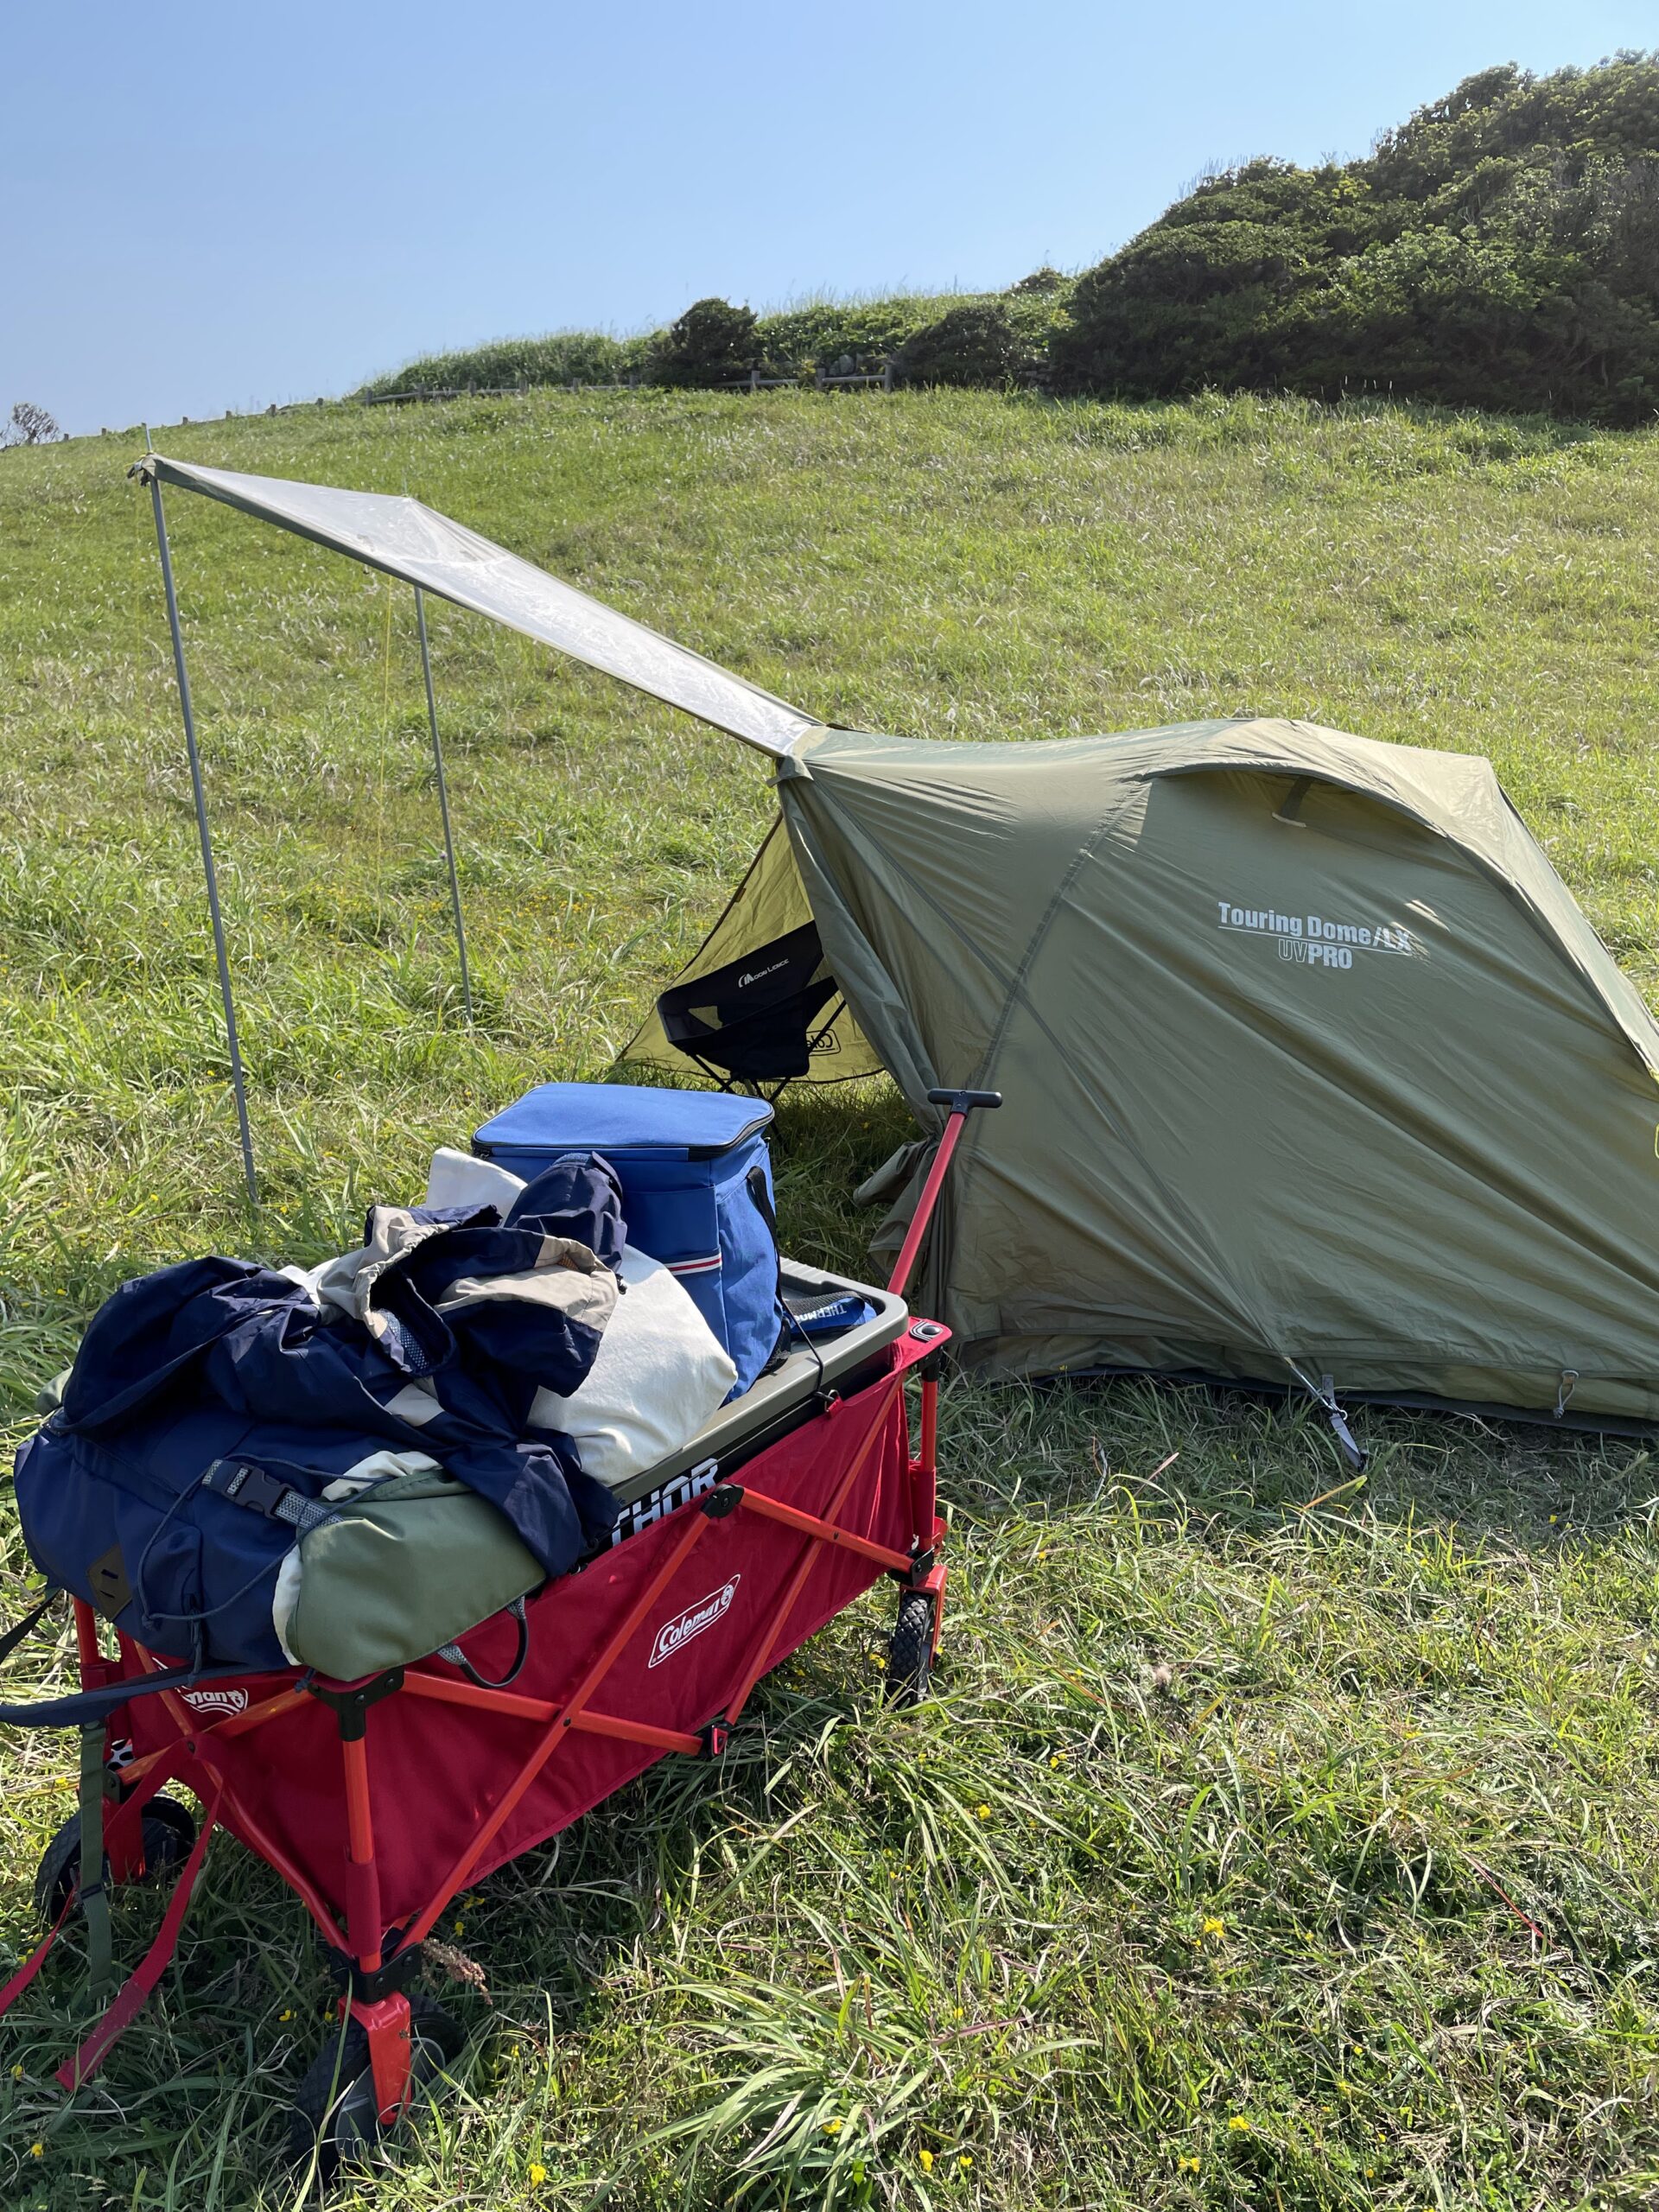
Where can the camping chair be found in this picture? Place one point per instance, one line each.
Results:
(753, 1020)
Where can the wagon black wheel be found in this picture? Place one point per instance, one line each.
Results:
(335, 2114)
(171, 1814)
(910, 1654)
(168, 1832)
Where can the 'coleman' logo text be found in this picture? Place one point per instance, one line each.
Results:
(221, 1701)
(675, 1635)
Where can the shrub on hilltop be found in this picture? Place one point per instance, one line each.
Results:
(1501, 249)
(979, 343)
(562, 357)
(712, 343)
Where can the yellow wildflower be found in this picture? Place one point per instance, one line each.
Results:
(37, 2150)
(1214, 1927)
(925, 2158)
(832, 2127)
(982, 1812)
(287, 2013)
(16, 2073)
(1239, 2125)
(1189, 2165)
(965, 2160)
(538, 2173)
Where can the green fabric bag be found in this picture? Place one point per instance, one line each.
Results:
(403, 1568)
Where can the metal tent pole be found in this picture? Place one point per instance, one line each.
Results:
(443, 803)
(236, 1081)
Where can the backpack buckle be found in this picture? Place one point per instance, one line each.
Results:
(246, 1485)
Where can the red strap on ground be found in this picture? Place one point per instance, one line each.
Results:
(120, 2013)
(32, 1965)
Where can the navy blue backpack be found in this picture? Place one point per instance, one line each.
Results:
(212, 1403)
(697, 1189)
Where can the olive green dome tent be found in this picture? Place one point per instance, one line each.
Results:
(1312, 1068)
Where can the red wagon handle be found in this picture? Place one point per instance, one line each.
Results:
(961, 1103)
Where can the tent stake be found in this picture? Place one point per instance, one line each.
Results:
(236, 1081)
(443, 803)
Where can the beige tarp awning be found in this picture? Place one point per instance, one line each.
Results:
(404, 538)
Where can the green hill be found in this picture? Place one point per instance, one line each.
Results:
(1272, 1844)
(1499, 249)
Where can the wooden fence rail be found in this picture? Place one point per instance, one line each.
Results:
(820, 379)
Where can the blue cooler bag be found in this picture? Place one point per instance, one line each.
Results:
(697, 1189)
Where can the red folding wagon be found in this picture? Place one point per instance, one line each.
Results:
(378, 1801)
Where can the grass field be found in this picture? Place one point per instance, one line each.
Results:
(1265, 1846)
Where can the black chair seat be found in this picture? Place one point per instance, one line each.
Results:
(751, 1020)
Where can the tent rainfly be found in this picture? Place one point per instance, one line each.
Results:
(1314, 1073)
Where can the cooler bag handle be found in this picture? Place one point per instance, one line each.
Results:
(760, 1197)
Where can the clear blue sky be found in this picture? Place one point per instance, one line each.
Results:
(212, 207)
